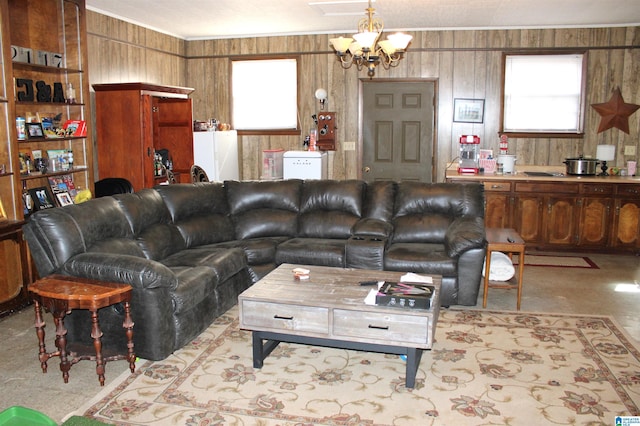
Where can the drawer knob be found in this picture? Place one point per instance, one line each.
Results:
(378, 327)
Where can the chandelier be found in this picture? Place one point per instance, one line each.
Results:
(365, 50)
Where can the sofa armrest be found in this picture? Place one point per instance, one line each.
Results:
(370, 227)
(464, 233)
(138, 272)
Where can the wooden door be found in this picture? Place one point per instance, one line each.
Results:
(398, 130)
(527, 217)
(595, 217)
(122, 140)
(560, 220)
(498, 204)
(626, 225)
(173, 130)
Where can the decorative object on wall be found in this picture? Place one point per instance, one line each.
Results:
(366, 50)
(468, 110)
(615, 113)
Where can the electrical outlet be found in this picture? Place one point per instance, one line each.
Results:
(630, 150)
(351, 146)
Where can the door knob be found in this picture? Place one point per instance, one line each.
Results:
(366, 169)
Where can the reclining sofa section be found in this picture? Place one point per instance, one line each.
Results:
(188, 250)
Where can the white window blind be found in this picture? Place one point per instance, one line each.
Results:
(265, 94)
(543, 93)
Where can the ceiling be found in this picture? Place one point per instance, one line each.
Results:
(211, 19)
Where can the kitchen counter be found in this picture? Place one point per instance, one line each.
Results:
(555, 211)
(555, 174)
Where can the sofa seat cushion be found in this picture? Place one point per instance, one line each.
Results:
(312, 251)
(258, 250)
(194, 285)
(420, 258)
(224, 262)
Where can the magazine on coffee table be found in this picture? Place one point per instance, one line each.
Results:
(413, 291)
(405, 295)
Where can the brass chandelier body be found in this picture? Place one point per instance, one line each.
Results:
(364, 49)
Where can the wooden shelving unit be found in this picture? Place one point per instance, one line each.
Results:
(43, 45)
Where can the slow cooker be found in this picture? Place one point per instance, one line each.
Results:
(581, 166)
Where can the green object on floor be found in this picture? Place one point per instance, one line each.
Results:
(23, 416)
(81, 421)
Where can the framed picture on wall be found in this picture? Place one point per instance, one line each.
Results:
(468, 110)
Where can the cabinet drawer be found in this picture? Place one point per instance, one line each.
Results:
(262, 316)
(628, 190)
(388, 328)
(565, 187)
(497, 186)
(596, 189)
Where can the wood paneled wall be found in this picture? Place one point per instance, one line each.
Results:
(466, 64)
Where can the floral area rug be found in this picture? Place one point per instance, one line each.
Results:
(486, 367)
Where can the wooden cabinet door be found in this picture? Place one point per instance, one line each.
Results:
(497, 210)
(527, 217)
(498, 204)
(595, 221)
(560, 220)
(173, 130)
(626, 224)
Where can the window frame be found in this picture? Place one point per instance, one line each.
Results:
(274, 131)
(544, 133)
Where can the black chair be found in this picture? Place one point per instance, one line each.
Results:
(112, 186)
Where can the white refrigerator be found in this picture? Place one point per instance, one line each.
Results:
(217, 154)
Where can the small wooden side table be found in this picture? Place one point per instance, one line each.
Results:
(509, 242)
(61, 294)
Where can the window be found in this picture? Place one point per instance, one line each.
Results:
(265, 94)
(544, 94)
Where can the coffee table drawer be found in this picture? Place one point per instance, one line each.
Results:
(391, 328)
(263, 316)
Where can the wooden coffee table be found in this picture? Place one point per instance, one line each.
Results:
(329, 310)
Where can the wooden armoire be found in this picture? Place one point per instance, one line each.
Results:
(133, 121)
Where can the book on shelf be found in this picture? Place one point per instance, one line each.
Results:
(405, 295)
(75, 128)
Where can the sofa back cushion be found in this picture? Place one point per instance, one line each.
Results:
(56, 235)
(151, 224)
(379, 200)
(264, 208)
(424, 211)
(199, 211)
(330, 208)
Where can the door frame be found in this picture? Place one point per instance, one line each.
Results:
(434, 148)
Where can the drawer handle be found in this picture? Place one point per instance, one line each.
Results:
(377, 327)
(496, 186)
(282, 318)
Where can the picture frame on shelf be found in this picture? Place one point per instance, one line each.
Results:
(41, 198)
(64, 199)
(34, 131)
(468, 110)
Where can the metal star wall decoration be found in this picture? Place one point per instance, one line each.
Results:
(615, 112)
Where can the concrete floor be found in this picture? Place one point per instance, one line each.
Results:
(568, 290)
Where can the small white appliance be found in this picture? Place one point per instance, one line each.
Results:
(217, 154)
(304, 165)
